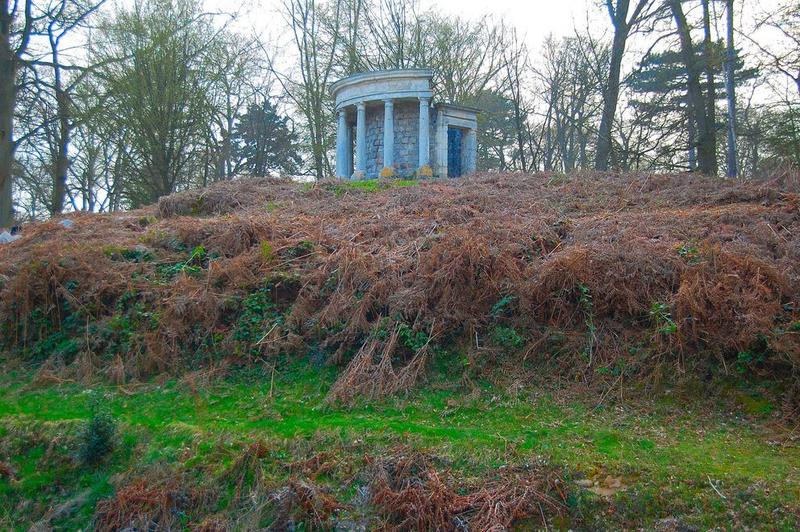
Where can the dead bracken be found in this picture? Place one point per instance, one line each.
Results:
(584, 271)
(413, 495)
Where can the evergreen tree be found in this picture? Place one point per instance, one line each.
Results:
(783, 137)
(660, 85)
(496, 131)
(263, 139)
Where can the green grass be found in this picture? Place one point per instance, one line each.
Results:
(668, 455)
(366, 185)
(372, 185)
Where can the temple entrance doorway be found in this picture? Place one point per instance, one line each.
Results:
(454, 141)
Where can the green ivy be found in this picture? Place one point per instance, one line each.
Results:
(662, 318)
(507, 337)
(413, 340)
(257, 318)
(502, 306)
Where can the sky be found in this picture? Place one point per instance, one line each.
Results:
(535, 19)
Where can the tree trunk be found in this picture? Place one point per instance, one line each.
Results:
(711, 91)
(520, 138)
(730, 89)
(692, 130)
(611, 93)
(61, 164)
(7, 96)
(697, 109)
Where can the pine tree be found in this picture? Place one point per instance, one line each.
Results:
(263, 139)
(664, 75)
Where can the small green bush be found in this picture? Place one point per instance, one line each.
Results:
(746, 360)
(303, 248)
(507, 337)
(258, 316)
(266, 250)
(689, 252)
(413, 340)
(662, 318)
(98, 436)
(502, 307)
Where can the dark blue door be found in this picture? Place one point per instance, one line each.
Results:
(453, 152)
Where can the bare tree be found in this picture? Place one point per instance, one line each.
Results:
(466, 57)
(50, 21)
(353, 58)
(730, 89)
(316, 34)
(64, 17)
(624, 21)
(397, 34)
(101, 161)
(782, 52)
(516, 66)
(570, 84)
(13, 45)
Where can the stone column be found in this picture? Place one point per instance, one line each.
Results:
(348, 150)
(424, 132)
(388, 133)
(471, 152)
(361, 141)
(341, 145)
(441, 145)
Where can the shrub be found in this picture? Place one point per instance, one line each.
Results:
(415, 341)
(502, 307)
(507, 337)
(662, 318)
(689, 252)
(266, 250)
(387, 171)
(97, 437)
(425, 171)
(257, 318)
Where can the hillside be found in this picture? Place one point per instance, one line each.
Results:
(580, 351)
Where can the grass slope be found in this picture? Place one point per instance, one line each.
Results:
(703, 468)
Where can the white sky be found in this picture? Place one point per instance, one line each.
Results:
(535, 19)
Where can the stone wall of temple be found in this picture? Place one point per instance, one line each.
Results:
(406, 138)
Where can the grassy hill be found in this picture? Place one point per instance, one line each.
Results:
(584, 351)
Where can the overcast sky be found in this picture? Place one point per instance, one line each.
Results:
(535, 19)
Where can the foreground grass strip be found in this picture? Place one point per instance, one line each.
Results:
(701, 453)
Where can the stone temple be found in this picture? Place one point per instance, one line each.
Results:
(386, 120)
